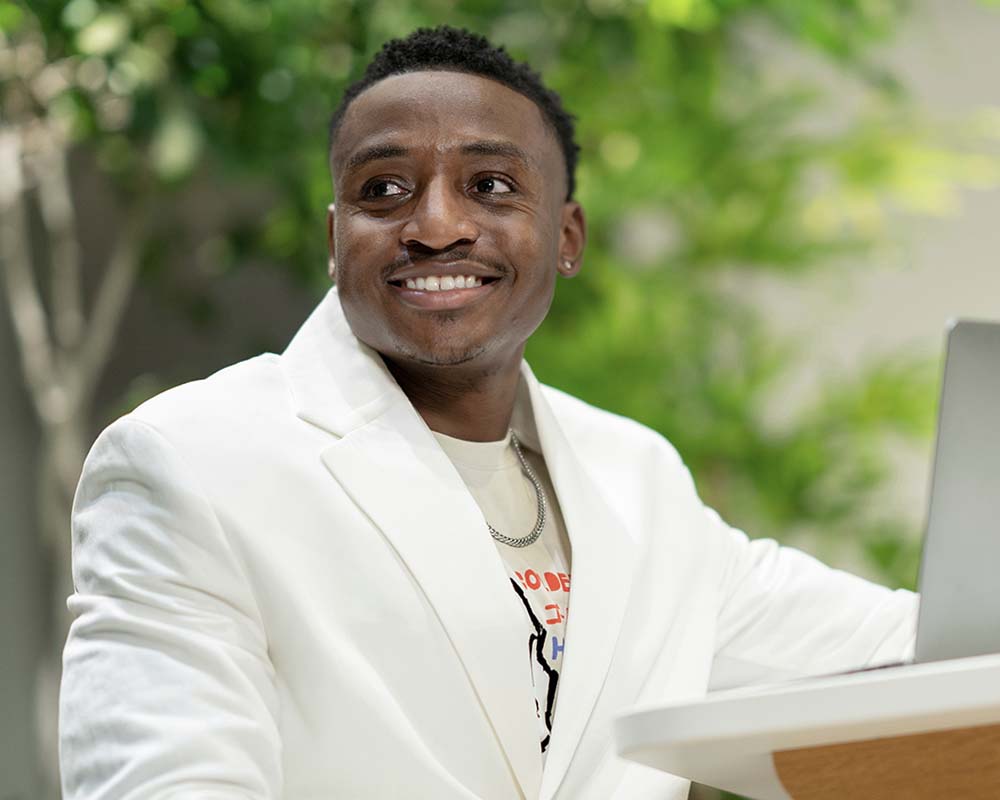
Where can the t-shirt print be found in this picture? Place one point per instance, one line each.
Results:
(544, 596)
(539, 572)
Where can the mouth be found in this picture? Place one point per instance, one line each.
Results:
(442, 292)
(442, 283)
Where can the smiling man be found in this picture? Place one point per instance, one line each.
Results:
(346, 571)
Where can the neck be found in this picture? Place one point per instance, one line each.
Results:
(475, 405)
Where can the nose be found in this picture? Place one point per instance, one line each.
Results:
(440, 219)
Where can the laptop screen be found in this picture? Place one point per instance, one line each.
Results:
(960, 566)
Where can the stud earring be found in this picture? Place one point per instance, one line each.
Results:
(567, 265)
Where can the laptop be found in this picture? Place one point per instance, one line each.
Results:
(959, 578)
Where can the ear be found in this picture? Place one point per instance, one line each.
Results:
(572, 238)
(332, 263)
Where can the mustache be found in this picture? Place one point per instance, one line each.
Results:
(413, 256)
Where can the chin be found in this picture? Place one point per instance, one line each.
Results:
(440, 356)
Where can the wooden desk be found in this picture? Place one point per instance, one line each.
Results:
(920, 731)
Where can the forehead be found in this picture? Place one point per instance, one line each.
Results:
(440, 110)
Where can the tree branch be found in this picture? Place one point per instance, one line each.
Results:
(56, 204)
(26, 309)
(112, 299)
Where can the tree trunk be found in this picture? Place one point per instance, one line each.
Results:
(63, 354)
(63, 451)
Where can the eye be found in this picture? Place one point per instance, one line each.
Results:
(493, 186)
(383, 188)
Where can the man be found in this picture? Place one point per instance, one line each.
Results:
(347, 571)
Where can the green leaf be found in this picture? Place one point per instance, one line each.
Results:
(107, 32)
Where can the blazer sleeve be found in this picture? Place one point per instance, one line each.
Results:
(783, 614)
(167, 688)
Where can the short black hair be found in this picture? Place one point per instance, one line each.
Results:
(460, 50)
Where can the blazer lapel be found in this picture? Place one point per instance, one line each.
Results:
(603, 561)
(389, 463)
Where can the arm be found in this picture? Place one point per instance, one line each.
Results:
(784, 614)
(167, 687)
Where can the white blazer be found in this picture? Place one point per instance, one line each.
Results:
(284, 589)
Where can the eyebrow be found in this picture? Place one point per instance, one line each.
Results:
(376, 152)
(494, 147)
(486, 147)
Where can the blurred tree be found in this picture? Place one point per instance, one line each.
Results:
(698, 163)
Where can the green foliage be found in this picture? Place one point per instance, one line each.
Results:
(700, 161)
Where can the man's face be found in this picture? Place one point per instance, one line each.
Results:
(451, 221)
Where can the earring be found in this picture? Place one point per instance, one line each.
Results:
(332, 268)
(567, 265)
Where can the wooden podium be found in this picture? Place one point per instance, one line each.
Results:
(917, 732)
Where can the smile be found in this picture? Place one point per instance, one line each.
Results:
(442, 283)
(442, 292)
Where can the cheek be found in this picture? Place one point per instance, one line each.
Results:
(535, 257)
(363, 248)
(524, 244)
(349, 233)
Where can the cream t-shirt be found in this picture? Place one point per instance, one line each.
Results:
(540, 572)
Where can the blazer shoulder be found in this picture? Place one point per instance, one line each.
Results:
(246, 393)
(605, 434)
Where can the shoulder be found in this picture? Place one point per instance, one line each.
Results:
(237, 390)
(603, 436)
(232, 397)
(239, 409)
(637, 471)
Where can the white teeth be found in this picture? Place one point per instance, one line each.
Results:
(442, 283)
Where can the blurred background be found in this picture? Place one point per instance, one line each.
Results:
(787, 201)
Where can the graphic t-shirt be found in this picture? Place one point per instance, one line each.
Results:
(539, 573)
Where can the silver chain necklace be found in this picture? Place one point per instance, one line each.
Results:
(532, 537)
